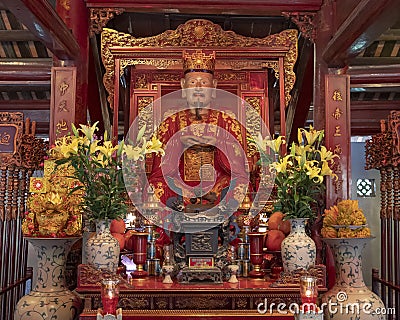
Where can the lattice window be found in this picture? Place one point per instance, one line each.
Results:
(366, 188)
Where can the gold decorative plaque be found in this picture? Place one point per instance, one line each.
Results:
(198, 33)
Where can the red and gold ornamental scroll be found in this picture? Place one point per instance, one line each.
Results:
(337, 135)
(62, 106)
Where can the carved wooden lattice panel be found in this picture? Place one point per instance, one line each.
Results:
(20, 155)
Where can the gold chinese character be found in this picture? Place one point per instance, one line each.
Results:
(338, 149)
(338, 169)
(337, 114)
(62, 126)
(63, 88)
(338, 185)
(337, 132)
(337, 95)
(62, 106)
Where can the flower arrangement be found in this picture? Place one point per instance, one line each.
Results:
(97, 164)
(345, 220)
(299, 172)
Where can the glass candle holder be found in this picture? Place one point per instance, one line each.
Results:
(256, 253)
(308, 293)
(109, 295)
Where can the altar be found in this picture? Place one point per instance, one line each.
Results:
(149, 298)
(210, 185)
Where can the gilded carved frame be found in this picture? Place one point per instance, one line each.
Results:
(163, 51)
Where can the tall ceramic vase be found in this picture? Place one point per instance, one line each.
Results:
(102, 250)
(298, 249)
(50, 298)
(350, 294)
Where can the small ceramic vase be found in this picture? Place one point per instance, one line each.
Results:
(233, 268)
(167, 271)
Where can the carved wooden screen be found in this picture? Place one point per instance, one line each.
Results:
(234, 53)
(383, 154)
(20, 155)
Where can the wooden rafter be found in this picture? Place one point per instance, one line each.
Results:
(366, 22)
(43, 21)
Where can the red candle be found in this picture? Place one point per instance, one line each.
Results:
(109, 296)
(109, 305)
(308, 293)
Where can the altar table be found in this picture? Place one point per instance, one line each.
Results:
(151, 299)
(168, 315)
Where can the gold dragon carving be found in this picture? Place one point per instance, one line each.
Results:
(196, 33)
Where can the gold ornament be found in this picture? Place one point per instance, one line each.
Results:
(198, 60)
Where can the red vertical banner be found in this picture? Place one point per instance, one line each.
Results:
(337, 135)
(62, 104)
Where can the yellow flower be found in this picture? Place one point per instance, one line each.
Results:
(107, 149)
(133, 153)
(89, 131)
(301, 150)
(267, 142)
(155, 146)
(92, 145)
(327, 155)
(67, 146)
(276, 144)
(282, 165)
(326, 170)
(310, 136)
(313, 172)
(301, 153)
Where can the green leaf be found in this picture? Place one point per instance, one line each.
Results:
(140, 134)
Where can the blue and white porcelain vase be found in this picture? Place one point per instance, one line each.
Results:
(298, 249)
(50, 297)
(349, 298)
(102, 250)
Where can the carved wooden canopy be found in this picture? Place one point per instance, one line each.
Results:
(163, 51)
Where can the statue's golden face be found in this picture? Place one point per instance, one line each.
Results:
(199, 88)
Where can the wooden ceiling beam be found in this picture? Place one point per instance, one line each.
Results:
(390, 35)
(17, 35)
(366, 116)
(12, 73)
(366, 23)
(17, 86)
(379, 61)
(174, 6)
(28, 61)
(43, 21)
(374, 74)
(371, 105)
(19, 105)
